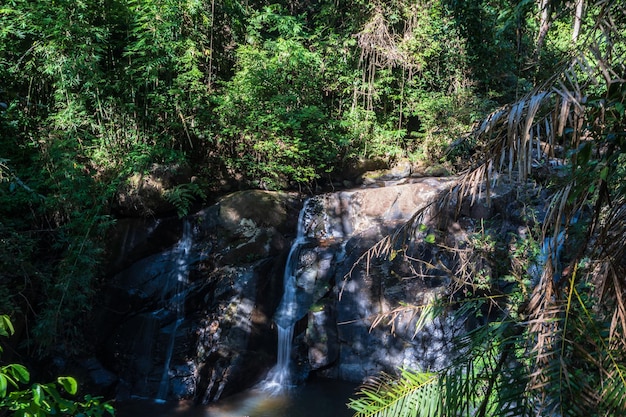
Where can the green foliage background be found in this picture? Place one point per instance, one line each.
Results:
(274, 95)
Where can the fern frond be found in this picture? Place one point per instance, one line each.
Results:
(182, 196)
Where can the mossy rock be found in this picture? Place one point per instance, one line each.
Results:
(266, 209)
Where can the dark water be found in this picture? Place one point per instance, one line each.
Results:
(315, 399)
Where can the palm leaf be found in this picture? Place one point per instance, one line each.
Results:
(412, 394)
(566, 357)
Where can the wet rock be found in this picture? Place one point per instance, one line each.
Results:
(321, 336)
(225, 301)
(394, 343)
(481, 208)
(132, 239)
(183, 380)
(98, 374)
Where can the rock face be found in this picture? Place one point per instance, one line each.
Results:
(220, 337)
(223, 340)
(340, 295)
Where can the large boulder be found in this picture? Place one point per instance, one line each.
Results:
(132, 239)
(376, 315)
(203, 314)
(144, 194)
(340, 294)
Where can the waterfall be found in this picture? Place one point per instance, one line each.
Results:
(551, 249)
(176, 305)
(285, 317)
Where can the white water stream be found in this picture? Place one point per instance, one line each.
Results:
(279, 378)
(181, 255)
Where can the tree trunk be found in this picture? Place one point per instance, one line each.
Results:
(578, 18)
(545, 13)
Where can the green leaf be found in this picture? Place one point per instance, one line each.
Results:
(604, 173)
(37, 394)
(3, 386)
(6, 327)
(52, 391)
(69, 384)
(430, 238)
(19, 372)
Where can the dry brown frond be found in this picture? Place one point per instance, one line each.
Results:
(408, 313)
(387, 246)
(610, 271)
(378, 45)
(564, 336)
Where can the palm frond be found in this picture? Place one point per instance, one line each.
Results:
(613, 394)
(413, 394)
(566, 358)
(423, 314)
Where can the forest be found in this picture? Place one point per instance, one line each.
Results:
(225, 95)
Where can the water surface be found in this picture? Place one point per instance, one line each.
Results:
(322, 398)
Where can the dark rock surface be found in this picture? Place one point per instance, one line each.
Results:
(225, 340)
(230, 289)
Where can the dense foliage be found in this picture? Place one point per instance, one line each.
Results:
(544, 308)
(97, 94)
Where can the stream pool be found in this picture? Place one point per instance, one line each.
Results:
(321, 398)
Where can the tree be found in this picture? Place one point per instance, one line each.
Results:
(99, 93)
(557, 346)
(275, 128)
(415, 65)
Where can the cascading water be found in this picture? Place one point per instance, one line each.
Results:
(177, 301)
(551, 249)
(285, 318)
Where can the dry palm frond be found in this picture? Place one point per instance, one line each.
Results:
(575, 333)
(543, 325)
(547, 113)
(423, 314)
(378, 45)
(610, 270)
